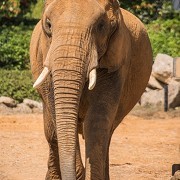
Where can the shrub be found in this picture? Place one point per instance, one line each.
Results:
(17, 84)
(15, 8)
(14, 43)
(148, 10)
(164, 36)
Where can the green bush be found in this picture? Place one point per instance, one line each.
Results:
(148, 10)
(17, 84)
(164, 36)
(14, 43)
(15, 8)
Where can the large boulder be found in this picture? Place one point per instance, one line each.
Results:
(156, 97)
(152, 98)
(163, 68)
(9, 102)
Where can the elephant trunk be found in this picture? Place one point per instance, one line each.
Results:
(73, 58)
(69, 77)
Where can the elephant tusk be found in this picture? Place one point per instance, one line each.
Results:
(92, 79)
(41, 78)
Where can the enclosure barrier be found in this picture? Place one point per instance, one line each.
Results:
(176, 76)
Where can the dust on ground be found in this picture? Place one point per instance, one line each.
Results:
(144, 146)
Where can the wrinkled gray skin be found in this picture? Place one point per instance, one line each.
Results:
(71, 39)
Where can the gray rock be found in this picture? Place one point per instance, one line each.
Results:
(5, 109)
(156, 97)
(163, 68)
(22, 108)
(32, 103)
(174, 94)
(152, 98)
(176, 176)
(9, 102)
(154, 84)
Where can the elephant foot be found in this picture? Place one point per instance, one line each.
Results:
(52, 176)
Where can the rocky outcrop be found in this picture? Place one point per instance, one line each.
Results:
(10, 106)
(9, 102)
(162, 76)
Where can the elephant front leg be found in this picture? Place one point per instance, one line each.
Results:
(53, 172)
(97, 140)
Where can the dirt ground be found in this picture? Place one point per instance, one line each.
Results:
(144, 146)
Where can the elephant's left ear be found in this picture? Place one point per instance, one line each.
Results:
(118, 47)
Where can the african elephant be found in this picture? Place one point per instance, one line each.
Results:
(91, 61)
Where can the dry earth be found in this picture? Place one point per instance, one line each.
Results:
(142, 148)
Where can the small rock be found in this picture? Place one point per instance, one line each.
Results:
(9, 102)
(22, 108)
(32, 103)
(176, 175)
(163, 68)
(147, 89)
(154, 84)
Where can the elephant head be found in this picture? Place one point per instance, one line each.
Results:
(77, 38)
(90, 27)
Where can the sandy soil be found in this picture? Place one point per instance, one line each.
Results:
(142, 148)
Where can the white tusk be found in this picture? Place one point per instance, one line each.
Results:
(41, 78)
(92, 79)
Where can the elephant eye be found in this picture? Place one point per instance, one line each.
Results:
(48, 27)
(48, 23)
(101, 26)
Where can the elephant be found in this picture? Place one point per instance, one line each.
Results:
(91, 61)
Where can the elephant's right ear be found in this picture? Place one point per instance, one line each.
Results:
(118, 47)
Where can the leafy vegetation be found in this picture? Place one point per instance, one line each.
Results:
(149, 10)
(15, 8)
(18, 18)
(17, 84)
(164, 36)
(14, 43)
